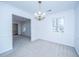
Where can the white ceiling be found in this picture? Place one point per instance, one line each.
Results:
(32, 6)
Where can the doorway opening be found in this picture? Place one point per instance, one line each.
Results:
(15, 29)
(21, 30)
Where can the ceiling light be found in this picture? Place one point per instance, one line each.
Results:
(39, 15)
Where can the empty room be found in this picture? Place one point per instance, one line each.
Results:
(39, 28)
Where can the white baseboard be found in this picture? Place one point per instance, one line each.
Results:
(5, 50)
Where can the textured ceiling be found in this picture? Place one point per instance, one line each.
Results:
(32, 6)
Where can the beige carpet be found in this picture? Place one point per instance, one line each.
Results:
(39, 48)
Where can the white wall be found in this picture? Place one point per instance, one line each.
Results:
(26, 28)
(19, 28)
(34, 29)
(6, 12)
(44, 28)
(77, 29)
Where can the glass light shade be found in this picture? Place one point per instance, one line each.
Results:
(39, 15)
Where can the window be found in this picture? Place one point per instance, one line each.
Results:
(58, 24)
